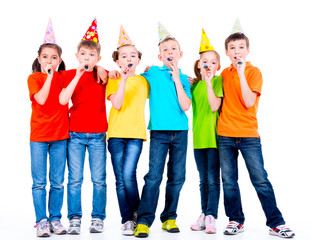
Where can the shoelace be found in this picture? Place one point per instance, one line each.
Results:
(57, 224)
(96, 222)
(233, 224)
(42, 225)
(74, 222)
(127, 226)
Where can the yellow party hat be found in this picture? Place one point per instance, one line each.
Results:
(205, 43)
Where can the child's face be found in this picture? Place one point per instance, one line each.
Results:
(211, 60)
(128, 57)
(49, 58)
(237, 50)
(88, 57)
(169, 50)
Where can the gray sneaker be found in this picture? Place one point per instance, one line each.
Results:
(128, 228)
(74, 226)
(57, 228)
(97, 225)
(43, 229)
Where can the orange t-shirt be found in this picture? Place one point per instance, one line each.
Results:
(49, 122)
(235, 119)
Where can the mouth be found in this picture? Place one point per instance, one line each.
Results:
(205, 66)
(86, 67)
(130, 65)
(239, 62)
(169, 59)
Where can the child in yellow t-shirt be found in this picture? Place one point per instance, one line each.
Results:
(127, 128)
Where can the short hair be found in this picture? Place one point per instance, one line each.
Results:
(168, 39)
(89, 44)
(236, 36)
(115, 54)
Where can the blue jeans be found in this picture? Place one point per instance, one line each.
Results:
(207, 161)
(57, 151)
(162, 143)
(125, 154)
(252, 154)
(95, 143)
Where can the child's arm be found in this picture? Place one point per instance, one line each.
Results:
(248, 95)
(183, 99)
(102, 75)
(43, 94)
(214, 101)
(117, 99)
(67, 92)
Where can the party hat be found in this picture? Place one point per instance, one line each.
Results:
(205, 43)
(124, 38)
(163, 33)
(49, 34)
(91, 34)
(237, 28)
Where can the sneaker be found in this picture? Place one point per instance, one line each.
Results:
(170, 226)
(199, 224)
(74, 226)
(210, 222)
(43, 229)
(57, 228)
(282, 231)
(128, 228)
(97, 225)
(141, 231)
(233, 228)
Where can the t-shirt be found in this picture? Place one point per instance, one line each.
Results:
(165, 110)
(129, 121)
(49, 122)
(204, 119)
(235, 119)
(88, 111)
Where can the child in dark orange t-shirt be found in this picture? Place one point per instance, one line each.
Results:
(49, 133)
(238, 131)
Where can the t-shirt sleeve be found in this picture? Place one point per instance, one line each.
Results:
(112, 87)
(148, 73)
(33, 86)
(218, 86)
(255, 81)
(187, 86)
(67, 77)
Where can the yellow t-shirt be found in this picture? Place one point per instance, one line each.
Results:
(129, 121)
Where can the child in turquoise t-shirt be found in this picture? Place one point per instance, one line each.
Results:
(207, 93)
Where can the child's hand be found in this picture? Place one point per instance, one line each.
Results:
(147, 68)
(101, 75)
(174, 71)
(190, 80)
(125, 73)
(80, 70)
(49, 70)
(240, 66)
(114, 74)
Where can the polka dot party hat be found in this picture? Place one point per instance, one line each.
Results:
(205, 43)
(91, 34)
(163, 33)
(124, 38)
(49, 34)
(237, 28)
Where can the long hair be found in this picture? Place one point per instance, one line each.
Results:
(36, 66)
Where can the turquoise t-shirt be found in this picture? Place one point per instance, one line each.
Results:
(165, 111)
(204, 119)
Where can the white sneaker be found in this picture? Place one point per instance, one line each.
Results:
(233, 228)
(282, 231)
(43, 229)
(199, 224)
(57, 228)
(97, 225)
(128, 228)
(74, 226)
(210, 223)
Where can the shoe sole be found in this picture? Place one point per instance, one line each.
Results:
(44, 235)
(275, 234)
(92, 230)
(74, 232)
(142, 235)
(197, 229)
(210, 231)
(234, 233)
(172, 230)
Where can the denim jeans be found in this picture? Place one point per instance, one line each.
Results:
(125, 154)
(252, 154)
(207, 161)
(162, 143)
(95, 143)
(57, 151)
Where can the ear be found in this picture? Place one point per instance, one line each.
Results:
(60, 61)
(218, 67)
(39, 60)
(98, 59)
(160, 57)
(181, 54)
(226, 52)
(76, 55)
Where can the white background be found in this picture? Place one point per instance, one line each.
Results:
(279, 33)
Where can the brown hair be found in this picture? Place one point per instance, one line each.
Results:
(196, 69)
(89, 44)
(36, 66)
(115, 54)
(168, 39)
(236, 36)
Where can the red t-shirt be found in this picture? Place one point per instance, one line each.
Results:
(49, 122)
(88, 111)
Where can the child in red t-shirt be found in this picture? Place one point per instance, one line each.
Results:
(49, 133)
(88, 126)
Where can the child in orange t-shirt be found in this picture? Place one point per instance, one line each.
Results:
(238, 131)
(49, 133)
